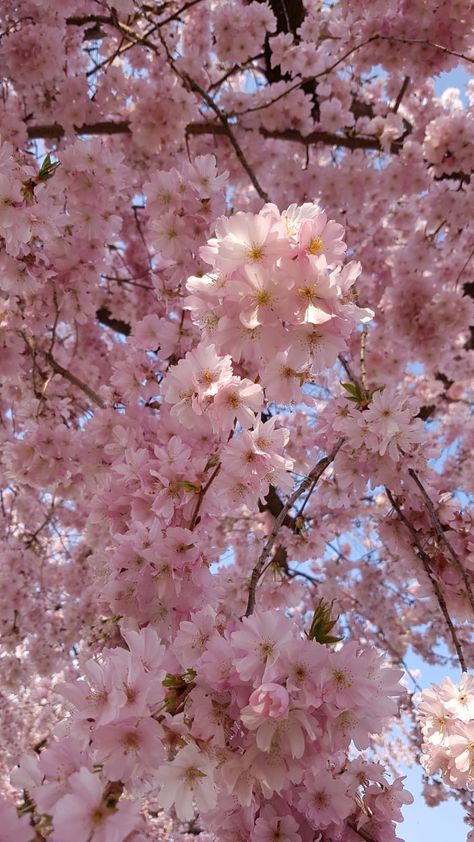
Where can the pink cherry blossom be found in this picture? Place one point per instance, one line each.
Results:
(236, 347)
(14, 828)
(85, 813)
(188, 780)
(270, 700)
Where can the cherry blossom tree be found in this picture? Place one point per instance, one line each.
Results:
(236, 364)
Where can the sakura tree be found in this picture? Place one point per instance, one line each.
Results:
(236, 399)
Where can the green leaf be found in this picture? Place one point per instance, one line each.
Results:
(212, 462)
(47, 169)
(186, 485)
(352, 389)
(323, 623)
(172, 680)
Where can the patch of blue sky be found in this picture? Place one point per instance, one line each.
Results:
(456, 78)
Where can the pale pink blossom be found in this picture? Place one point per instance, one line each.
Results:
(270, 700)
(15, 828)
(186, 781)
(85, 814)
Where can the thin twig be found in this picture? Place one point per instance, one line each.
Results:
(223, 119)
(463, 268)
(443, 537)
(312, 477)
(426, 562)
(196, 88)
(306, 499)
(425, 43)
(401, 94)
(347, 368)
(363, 370)
(306, 79)
(64, 372)
(201, 496)
(176, 15)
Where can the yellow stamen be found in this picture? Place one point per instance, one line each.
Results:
(316, 246)
(255, 253)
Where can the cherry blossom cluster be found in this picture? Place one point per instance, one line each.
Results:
(238, 712)
(277, 297)
(180, 206)
(446, 715)
(448, 144)
(212, 421)
(385, 424)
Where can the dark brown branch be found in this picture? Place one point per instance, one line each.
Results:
(64, 372)
(467, 291)
(326, 138)
(176, 15)
(195, 516)
(55, 130)
(426, 562)
(227, 130)
(424, 43)
(333, 139)
(312, 477)
(104, 316)
(347, 368)
(111, 127)
(401, 94)
(274, 505)
(443, 537)
(83, 20)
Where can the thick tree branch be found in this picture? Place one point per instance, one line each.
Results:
(274, 505)
(83, 20)
(333, 139)
(104, 316)
(112, 127)
(55, 130)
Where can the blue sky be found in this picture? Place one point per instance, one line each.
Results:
(457, 78)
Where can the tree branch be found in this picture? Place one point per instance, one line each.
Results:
(426, 562)
(83, 20)
(64, 372)
(401, 94)
(55, 130)
(442, 536)
(312, 477)
(112, 127)
(227, 130)
(422, 42)
(104, 316)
